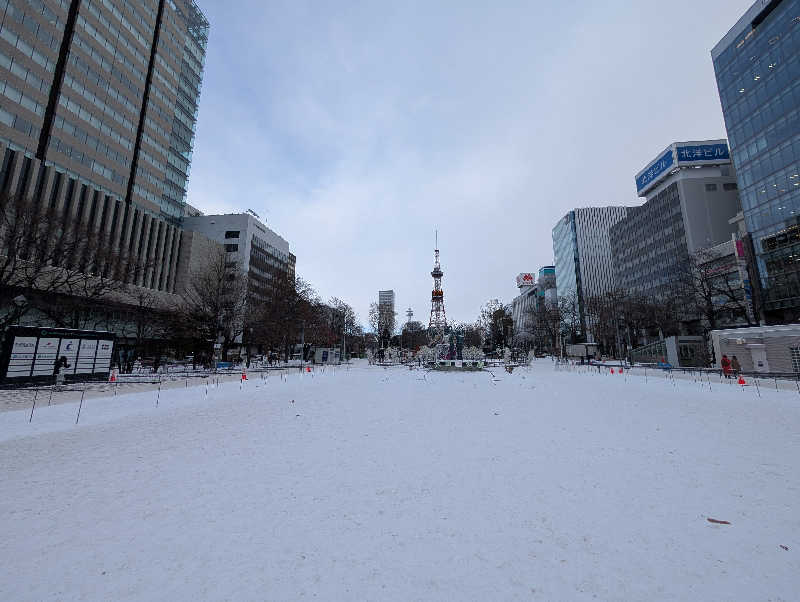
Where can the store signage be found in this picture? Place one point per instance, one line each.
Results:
(703, 152)
(659, 166)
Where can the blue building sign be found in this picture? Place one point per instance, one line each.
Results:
(703, 152)
(656, 169)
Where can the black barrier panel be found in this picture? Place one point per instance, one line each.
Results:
(37, 354)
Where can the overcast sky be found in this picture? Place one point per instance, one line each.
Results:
(357, 128)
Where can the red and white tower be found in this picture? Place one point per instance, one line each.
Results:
(438, 322)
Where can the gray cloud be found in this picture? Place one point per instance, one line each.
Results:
(356, 130)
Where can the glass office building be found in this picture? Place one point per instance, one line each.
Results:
(98, 106)
(106, 91)
(582, 252)
(757, 67)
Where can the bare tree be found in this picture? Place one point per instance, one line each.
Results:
(382, 321)
(63, 269)
(215, 303)
(497, 323)
(569, 313)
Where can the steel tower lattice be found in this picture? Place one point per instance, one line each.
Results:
(438, 322)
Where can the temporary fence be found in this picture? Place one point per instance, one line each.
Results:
(709, 376)
(40, 394)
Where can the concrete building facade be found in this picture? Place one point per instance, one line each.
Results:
(533, 295)
(98, 105)
(386, 300)
(757, 67)
(691, 195)
(260, 253)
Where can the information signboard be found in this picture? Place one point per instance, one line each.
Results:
(31, 354)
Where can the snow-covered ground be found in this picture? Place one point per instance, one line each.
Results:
(379, 484)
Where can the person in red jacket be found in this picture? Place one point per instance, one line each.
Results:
(726, 366)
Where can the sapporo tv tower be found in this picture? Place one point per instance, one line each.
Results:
(438, 323)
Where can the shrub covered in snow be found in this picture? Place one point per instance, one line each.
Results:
(472, 353)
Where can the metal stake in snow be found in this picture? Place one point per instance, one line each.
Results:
(80, 405)
(206, 387)
(159, 392)
(51, 395)
(33, 407)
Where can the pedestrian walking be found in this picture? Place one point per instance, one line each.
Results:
(726, 366)
(735, 366)
(58, 370)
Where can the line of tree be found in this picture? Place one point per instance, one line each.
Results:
(61, 272)
(704, 294)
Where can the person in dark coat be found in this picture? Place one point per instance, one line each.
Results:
(726, 366)
(58, 369)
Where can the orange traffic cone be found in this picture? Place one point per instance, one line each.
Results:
(113, 377)
(244, 375)
(742, 381)
(308, 368)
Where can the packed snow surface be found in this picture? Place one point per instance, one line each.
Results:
(390, 484)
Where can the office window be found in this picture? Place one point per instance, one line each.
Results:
(232, 234)
(795, 351)
(711, 187)
(730, 186)
(231, 248)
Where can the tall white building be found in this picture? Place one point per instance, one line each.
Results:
(260, 252)
(582, 251)
(386, 300)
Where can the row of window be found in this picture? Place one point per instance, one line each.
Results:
(726, 186)
(93, 143)
(154, 107)
(108, 66)
(750, 100)
(88, 117)
(79, 156)
(26, 49)
(152, 160)
(153, 142)
(115, 32)
(20, 124)
(25, 74)
(759, 69)
(40, 8)
(144, 5)
(18, 97)
(756, 40)
(147, 176)
(29, 22)
(762, 221)
(81, 89)
(111, 48)
(752, 124)
(782, 130)
(101, 82)
(772, 188)
(143, 40)
(107, 109)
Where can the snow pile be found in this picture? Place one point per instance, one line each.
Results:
(387, 484)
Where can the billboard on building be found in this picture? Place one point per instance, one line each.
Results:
(31, 353)
(709, 152)
(525, 279)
